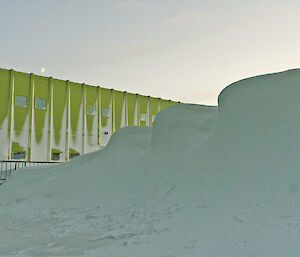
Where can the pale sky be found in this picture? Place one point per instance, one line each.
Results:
(184, 50)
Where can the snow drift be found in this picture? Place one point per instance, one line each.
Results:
(204, 181)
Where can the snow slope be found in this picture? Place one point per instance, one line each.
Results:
(204, 181)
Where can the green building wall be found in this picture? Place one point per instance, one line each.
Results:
(47, 119)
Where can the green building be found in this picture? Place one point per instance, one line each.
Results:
(47, 119)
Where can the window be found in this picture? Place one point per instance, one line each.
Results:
(91, 110)
(40, 103)
(55, 156)
(153, 117)
(143, 116)
(21, 100)
(19, 155)
(105, 112)
(73, 155)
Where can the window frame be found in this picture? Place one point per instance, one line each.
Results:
(15, 154)
(94, 110)
(107, 115)
(143, 116)
(36, 99)
(19, 101)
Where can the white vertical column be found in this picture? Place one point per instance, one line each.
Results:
(113, 111)
(11, 111)
(126, 108)
(99, 113)
(83, 118)
(31, 117)
(158, 108)
(50, 118)
(67, 120)
(136, 112)
(148, 111)
(123, 114)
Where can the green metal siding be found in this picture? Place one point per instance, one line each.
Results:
(58, 112)
(91, 99)
(75, 131)
(154, 109)
(90, 123)
(41, 88)
(21, 88)
(4, 96)
(4, 112)
(143, 109)
(131, 109)
(106, 103)
(62, 119)
(164, 103)
(59, 108)
(119, 109)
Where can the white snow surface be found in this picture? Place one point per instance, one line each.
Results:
(203, 182)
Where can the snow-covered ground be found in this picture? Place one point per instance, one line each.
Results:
(203, 182)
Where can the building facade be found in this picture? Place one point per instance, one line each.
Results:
(47, 119)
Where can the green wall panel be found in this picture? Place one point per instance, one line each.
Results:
(41, 90)
(75, 105)
(91, 99)
(118, 107)
(164, 103)
(154, 105)
(69, 119)
(59, 108)
(105, 102)
(143, 109)
(173, 102)
(4, 96)
(22, 88)
(131, 107)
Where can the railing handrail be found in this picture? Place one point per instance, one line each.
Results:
(30, 161)
(7, 166)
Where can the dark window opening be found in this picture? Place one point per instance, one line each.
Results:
(56, 156)
(19, 155)
(73, 155)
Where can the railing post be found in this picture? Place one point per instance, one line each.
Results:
(7, 166)
(5, 170)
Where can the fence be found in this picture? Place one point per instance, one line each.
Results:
(8, 166)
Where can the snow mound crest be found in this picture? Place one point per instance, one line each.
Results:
(204, 181)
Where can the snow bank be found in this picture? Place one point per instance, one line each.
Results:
(204, 181)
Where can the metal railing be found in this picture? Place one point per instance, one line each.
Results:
(8, 166)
